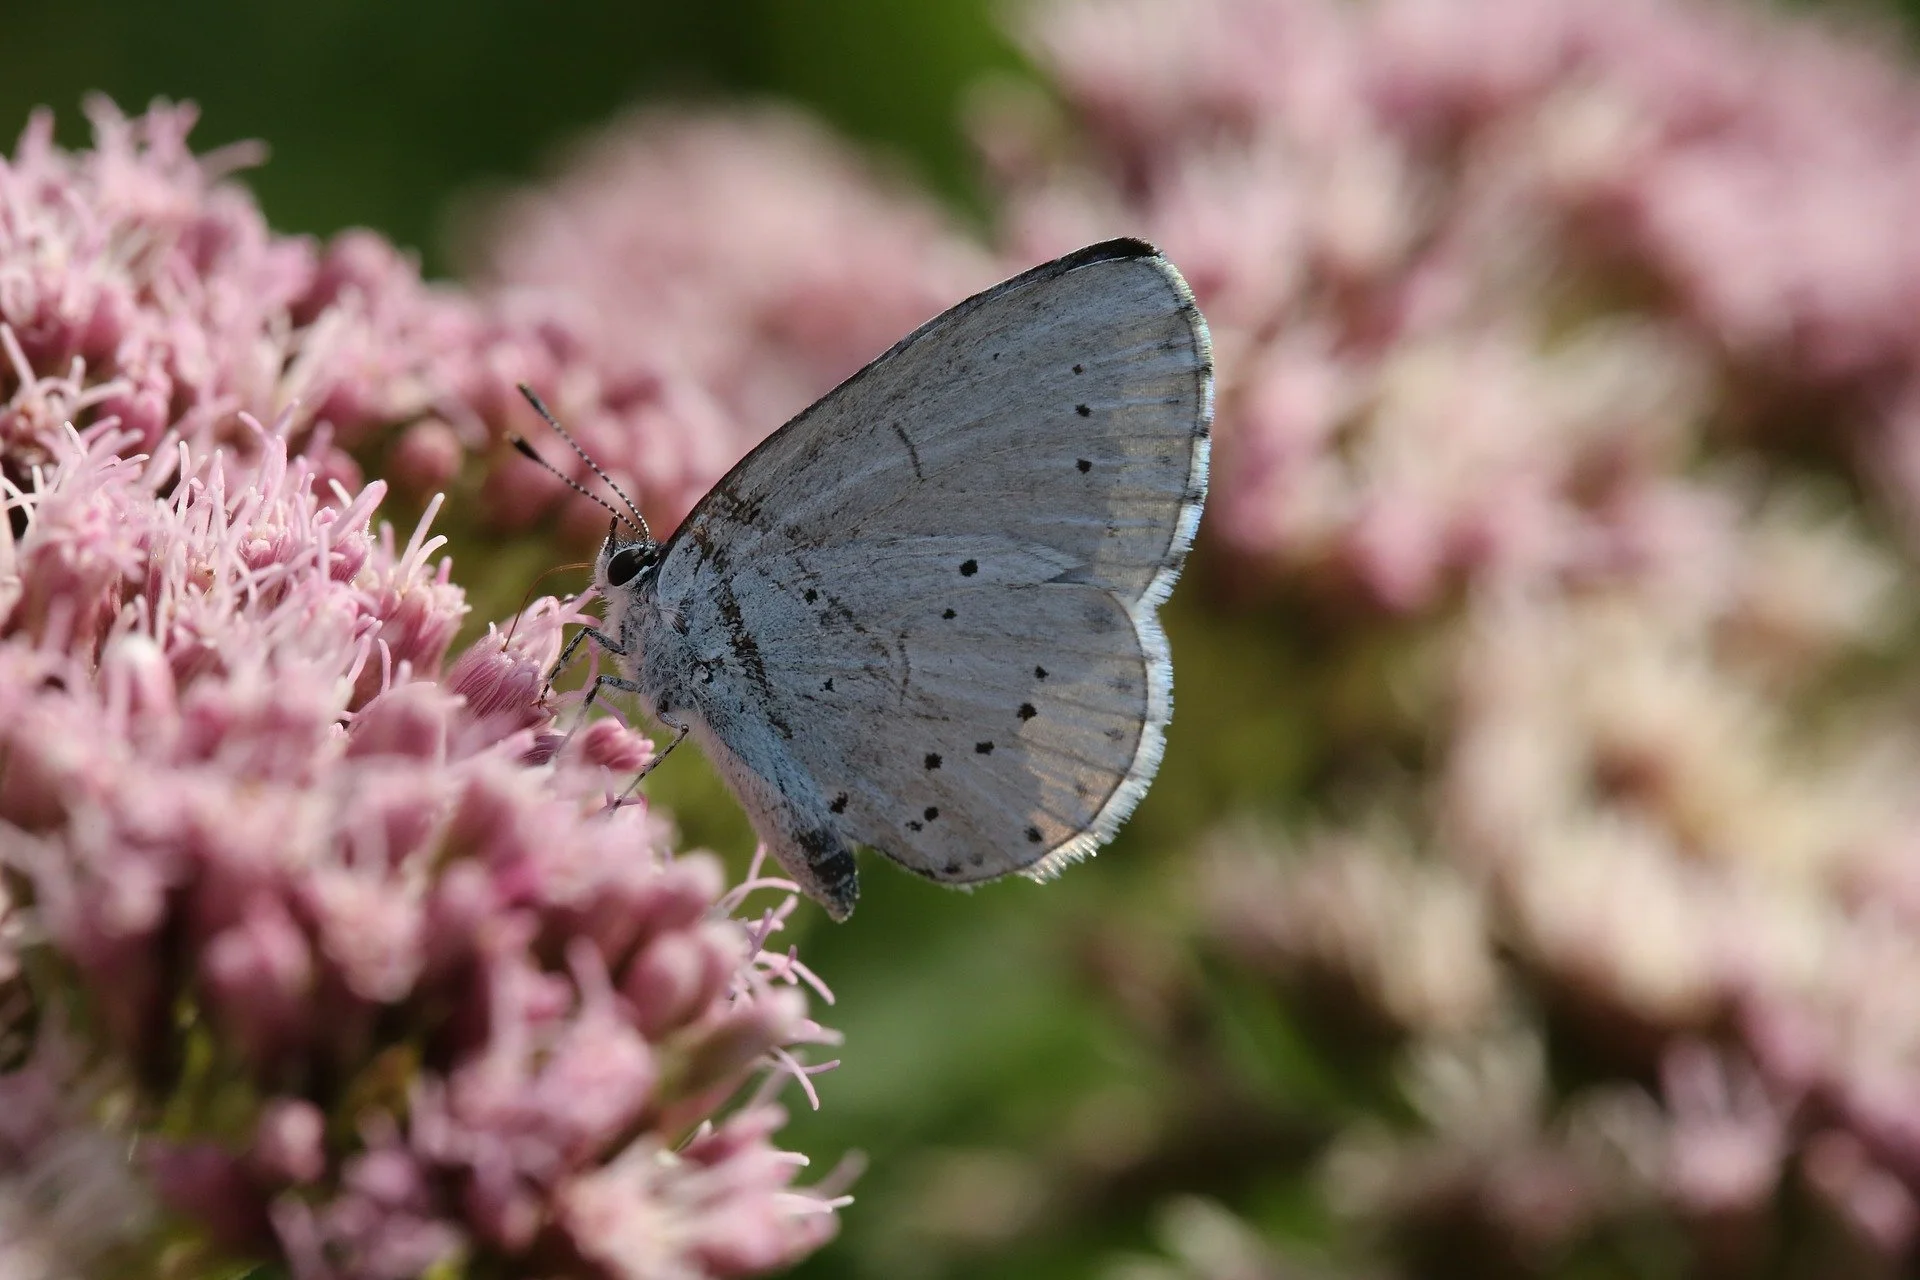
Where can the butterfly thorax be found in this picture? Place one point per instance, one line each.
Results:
(696, 668)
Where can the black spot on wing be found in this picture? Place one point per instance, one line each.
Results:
(947, 613)
(1039, 673)
(1079, 368)
(1033, 835)
(812, 595)
(1027, 712)
(913, 824)
(932, 760)
(839, 804)
(983, 748)
(930, 812)
(1084, 411)
(1084, 464)
(827, 685)
(969, 567)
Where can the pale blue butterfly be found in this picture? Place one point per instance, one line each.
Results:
(920, 617)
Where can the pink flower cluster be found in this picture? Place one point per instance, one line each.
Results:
(139, 283)
(749, 249)
(382, 919)
(1483, 274)
(359, 961)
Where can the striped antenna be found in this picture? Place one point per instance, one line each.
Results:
(638, 522)
(527, 450)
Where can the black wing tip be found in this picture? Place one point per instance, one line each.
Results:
(1131, 249)
(1122, 249)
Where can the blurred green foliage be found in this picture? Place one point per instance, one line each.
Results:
(378, 114)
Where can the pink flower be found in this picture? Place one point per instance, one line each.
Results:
(727, 267)
(346, 872)
(1475, 269)
(373, 944)
(1576, 344)
(687, 1224)
(69, 1203)
(139, 283)
(1729, 1140)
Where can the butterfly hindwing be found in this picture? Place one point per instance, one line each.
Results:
(948, 567)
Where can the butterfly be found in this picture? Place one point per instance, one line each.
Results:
(921, 616)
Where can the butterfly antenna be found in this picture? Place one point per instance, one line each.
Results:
(527, 450)
(540, 577)
(539, 406)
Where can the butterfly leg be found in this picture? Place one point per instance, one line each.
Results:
(680, 729)
(680, 732)
(586, 703)
(578, 638)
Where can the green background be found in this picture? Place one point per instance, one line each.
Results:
(984, 1021)
(378, 114)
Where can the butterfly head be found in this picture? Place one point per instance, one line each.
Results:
(625, 559)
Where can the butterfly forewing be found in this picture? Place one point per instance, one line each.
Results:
(948, 566)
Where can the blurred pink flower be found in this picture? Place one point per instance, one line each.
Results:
(69, 1203)
(749, 249)
(1728, 1143)
(1551, 326)
(1355, 932)
(1479, 272)
(1494, 1175)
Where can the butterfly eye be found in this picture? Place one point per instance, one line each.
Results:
(627, 562)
